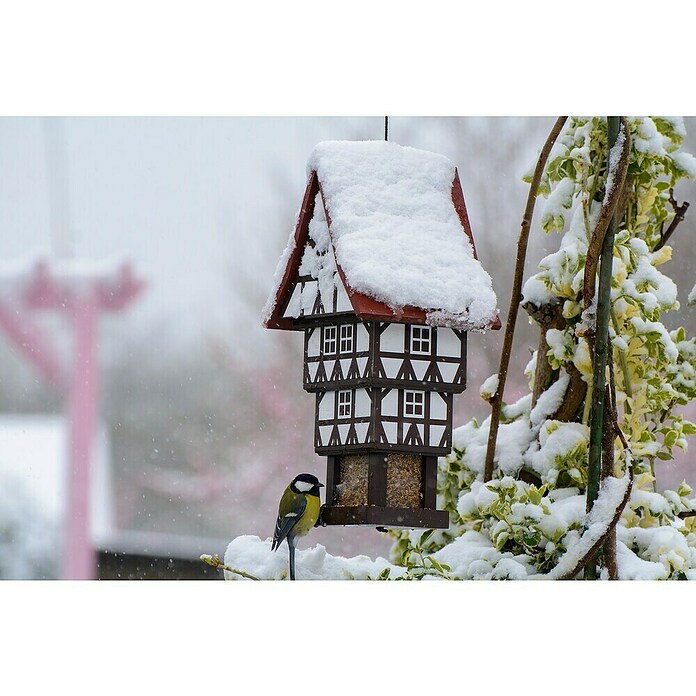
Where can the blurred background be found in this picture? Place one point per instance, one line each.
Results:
(200, 419)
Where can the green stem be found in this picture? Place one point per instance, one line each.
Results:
(622, 357)
(600, 356)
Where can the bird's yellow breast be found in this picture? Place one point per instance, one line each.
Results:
(310, 517)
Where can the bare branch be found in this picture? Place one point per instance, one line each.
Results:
(680, 212)
(516, 296)
(215, 562)
(609, 555)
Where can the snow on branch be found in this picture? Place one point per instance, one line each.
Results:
(602, 518)
(616, 177)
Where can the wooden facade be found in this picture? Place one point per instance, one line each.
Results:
(381, 387)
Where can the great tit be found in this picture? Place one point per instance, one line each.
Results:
(298, 512)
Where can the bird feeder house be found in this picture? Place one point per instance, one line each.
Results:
(381, 275)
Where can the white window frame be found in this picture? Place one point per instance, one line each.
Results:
(345, 404)
(420, 336)
(329, 342)
(346, 338)
(413, 402)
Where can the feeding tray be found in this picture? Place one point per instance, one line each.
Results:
(373, 515)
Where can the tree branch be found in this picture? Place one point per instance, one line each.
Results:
(609, 534)
(609, 207)
(600, 428)
(574, 396)
(215, 562)
(612, 418)
(622, 205)
(609, 435)
(680, 212)
(516, 296)
(550, 318)
(589, 556)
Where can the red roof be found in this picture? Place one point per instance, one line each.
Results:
(365, 307)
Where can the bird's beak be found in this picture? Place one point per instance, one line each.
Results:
(321, 485)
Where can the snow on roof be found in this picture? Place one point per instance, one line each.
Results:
(397, 236)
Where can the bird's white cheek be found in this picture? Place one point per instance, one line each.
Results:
(303, 486)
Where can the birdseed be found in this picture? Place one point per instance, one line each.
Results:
(352, 487)
(404, 486)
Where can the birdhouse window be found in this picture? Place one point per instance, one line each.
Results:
(420, 339)
(347, 338)
(413, 403)
(329, 340)
(345, 404)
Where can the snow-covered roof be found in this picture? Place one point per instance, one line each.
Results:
(399, 234)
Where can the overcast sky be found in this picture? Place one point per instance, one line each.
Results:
(183, 197)
(192, 200)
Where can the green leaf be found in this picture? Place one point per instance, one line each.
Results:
(532, 538)
(534, 495)
(439, 567)
(688, 428)
(424, 537)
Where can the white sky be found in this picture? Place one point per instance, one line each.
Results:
(193, 200)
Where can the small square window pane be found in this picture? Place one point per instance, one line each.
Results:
(347, 338)
(420, 339)
(345, 404)
(413, 403)
(329, 339)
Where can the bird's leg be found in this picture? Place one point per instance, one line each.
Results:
(291, 553)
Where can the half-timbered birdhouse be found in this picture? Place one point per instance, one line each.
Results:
(381, 275)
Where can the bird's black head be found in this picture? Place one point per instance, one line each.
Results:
(307, 484)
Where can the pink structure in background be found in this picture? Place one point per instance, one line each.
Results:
(82, 292)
